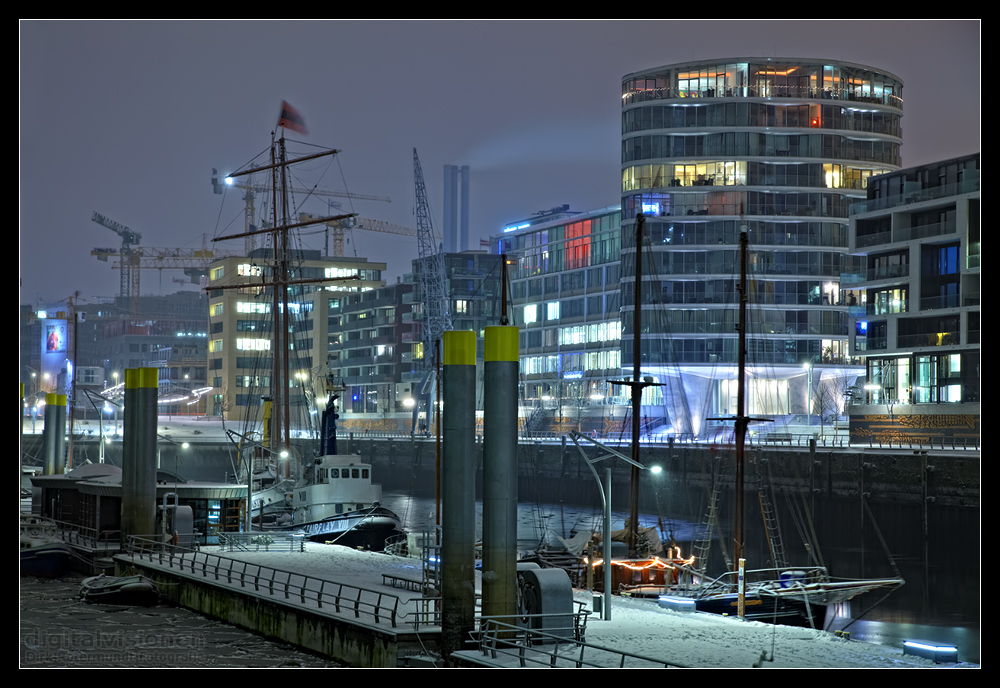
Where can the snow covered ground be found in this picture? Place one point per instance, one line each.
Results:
(636, 626)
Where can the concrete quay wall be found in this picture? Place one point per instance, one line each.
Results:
(354, 644)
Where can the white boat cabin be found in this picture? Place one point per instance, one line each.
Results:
(340, 485)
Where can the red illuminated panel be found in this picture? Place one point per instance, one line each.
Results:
(578, 245)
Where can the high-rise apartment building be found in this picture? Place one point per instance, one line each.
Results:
(373, 347)
(915, 312)
(242, 322)
(565, 288)
(781, 147)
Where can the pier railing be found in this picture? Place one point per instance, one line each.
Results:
(514, 644)
(262, 542)
(294, 588)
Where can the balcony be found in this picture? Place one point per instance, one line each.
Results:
(964, 187)
(929, 339)
(931, 303)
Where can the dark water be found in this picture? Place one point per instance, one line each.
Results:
(60, 630)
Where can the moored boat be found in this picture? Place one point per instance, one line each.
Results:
(135, 591)
(338, 503)
(43, 553)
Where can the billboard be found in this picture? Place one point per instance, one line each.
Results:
(53, 345)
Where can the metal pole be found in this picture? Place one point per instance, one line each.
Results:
(54, 433)
(139, 453)
(500, 368)
(458, 580)
(607, 545)
(633, 523)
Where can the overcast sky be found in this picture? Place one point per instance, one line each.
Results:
(129, 118)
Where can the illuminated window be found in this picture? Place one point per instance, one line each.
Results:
(530, 314)
(252, 307)
(253, 344)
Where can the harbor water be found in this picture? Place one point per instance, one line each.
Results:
(60, 630)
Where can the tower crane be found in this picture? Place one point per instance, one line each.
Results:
(252, 189)
(437, 314)
(194, 262)
(340, 227)
(128, 261)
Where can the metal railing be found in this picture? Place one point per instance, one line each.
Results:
(925, 443)
(262, 542)
(297, 588)
(552, 648)
(89, 538)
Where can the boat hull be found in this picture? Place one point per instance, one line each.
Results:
(49, 560)
(43, 553)
(367, 529)
(132, 591)
(769, 609)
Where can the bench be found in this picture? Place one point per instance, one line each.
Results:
(414, 584)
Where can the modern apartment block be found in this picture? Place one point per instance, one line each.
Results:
(242, 321)
(372, 337)
(565, 288)
(915, 316)
(779, 146)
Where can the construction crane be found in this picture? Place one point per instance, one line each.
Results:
(194, 262)
(338, 228)
(128, 261)
(437, 314)
(252, 189)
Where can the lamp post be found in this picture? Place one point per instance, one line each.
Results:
(605, 491)
(809, 394)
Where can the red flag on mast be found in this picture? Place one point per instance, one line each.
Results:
(291, 119)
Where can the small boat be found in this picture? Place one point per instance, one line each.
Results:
(791, 596)
(335, 500)
(43, 553)
(340, 504)
(133, 591)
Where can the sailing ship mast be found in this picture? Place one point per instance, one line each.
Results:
(741, 419)
(280, 417)
(636, 384)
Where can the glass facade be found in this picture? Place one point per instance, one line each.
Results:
(918, 319)
(565, 289)
(781, 147)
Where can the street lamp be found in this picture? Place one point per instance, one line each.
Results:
(605, 491)
(809, 380)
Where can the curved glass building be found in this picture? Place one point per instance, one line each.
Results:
(781, 146)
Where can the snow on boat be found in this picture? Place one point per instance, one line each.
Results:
(133, 591)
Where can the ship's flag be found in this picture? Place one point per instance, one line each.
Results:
(291, 119)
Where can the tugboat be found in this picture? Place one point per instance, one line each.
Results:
(336, 500)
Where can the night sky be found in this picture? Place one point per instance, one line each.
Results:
(129, 118)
